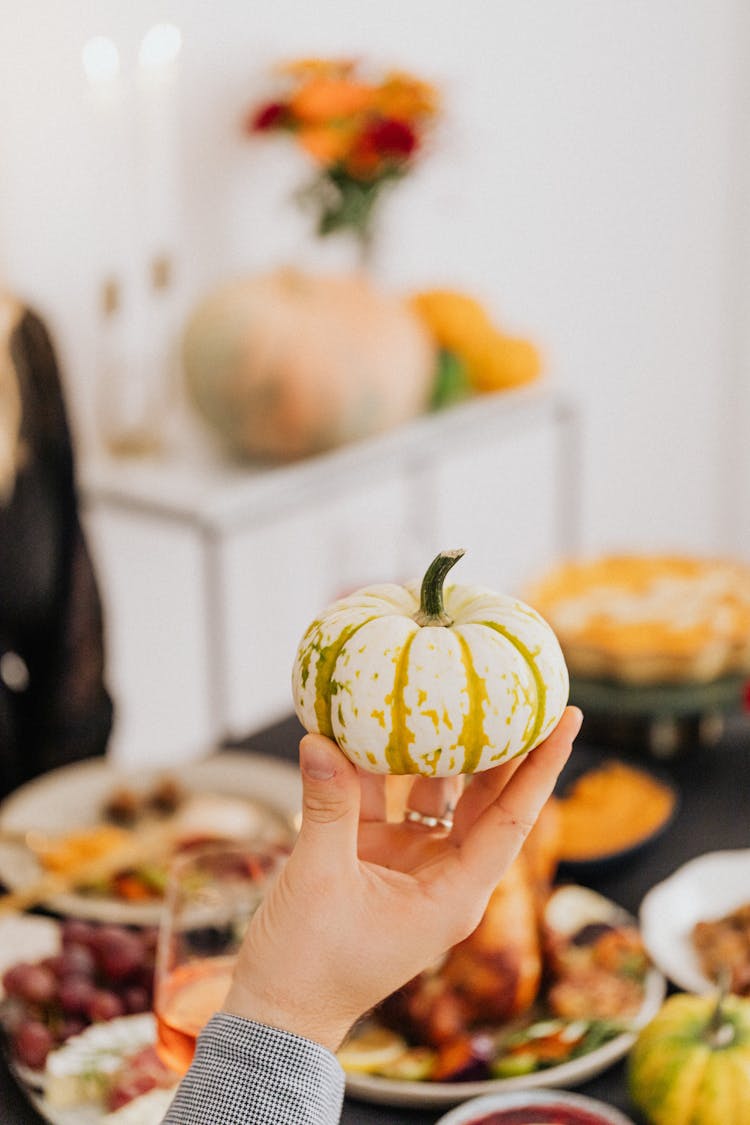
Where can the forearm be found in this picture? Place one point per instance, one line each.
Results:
(245, 1071)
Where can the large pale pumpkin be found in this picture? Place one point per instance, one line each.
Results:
(411, 679)
(288, 364)
(691, 1064)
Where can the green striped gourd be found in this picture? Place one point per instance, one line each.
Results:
(427, 680)
(691, 1064)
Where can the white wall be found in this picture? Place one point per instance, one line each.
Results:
(737, 461)
(584, 184)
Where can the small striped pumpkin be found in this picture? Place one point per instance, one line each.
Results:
(691, 1064)
(427, 680)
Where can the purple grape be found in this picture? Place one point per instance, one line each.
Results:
(33, 983)
(77, 932)
(104, 1005)
(144, 977)
(32, 1043)
(77, 960)
(104, 935)
(75, 995)
(54, 964)
(136, 999)
(120, 953)
(73, 1025)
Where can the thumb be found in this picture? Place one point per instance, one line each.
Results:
(330, 799)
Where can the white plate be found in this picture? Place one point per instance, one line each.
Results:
(701, 890)
(474, 1110)
(390, 1091)
(71, 798)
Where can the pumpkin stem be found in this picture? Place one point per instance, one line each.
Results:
(431, 605)
(720, 1031)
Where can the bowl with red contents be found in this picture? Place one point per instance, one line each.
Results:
(541, 1107)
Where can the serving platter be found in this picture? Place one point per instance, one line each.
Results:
(31, 938)
(389, 1091)
(398, 1092)
(702, 889)
(71, 799)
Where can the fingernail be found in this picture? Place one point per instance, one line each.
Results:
(316, 760)
(579, 717)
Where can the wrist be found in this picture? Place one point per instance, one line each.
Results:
(311, 1022)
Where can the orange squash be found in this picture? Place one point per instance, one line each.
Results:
(289, 364)
(494, 361)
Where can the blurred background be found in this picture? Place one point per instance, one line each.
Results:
(585, 181)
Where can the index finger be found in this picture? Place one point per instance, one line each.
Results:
(483, 789)
(495, 839)
(372, 789)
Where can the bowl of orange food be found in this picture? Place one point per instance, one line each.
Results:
(610, 810)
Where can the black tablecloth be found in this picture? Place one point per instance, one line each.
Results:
(714, 814)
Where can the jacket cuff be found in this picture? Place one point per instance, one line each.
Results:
(242, 1068)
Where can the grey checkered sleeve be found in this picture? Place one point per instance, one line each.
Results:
(246, 1073)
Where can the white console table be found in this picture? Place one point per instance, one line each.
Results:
(211, 570)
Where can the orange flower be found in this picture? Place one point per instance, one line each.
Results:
(327, 144)
(322, 99)
(400, 95)
(363, 163)
(304, 69)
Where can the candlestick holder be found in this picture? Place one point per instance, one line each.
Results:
(132, 389)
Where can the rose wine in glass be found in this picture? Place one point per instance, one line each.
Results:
(187, 1000)
(211, 895)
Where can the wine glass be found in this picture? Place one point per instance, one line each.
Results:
(211, 895)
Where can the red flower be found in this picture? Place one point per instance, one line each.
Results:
(269, 116)
(383, 143)
(391, 137)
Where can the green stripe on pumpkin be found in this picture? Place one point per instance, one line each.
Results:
(473, 737)
(401, 737)
(327, 657)
(541, 687)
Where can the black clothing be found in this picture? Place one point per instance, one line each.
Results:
(50, 611)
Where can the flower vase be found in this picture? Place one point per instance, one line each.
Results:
(340, 252)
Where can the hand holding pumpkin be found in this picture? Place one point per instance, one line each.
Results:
(355, 913)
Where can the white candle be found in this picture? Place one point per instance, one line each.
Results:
(158, 129)
(113, 188)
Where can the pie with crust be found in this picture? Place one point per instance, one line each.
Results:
(649, 619)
